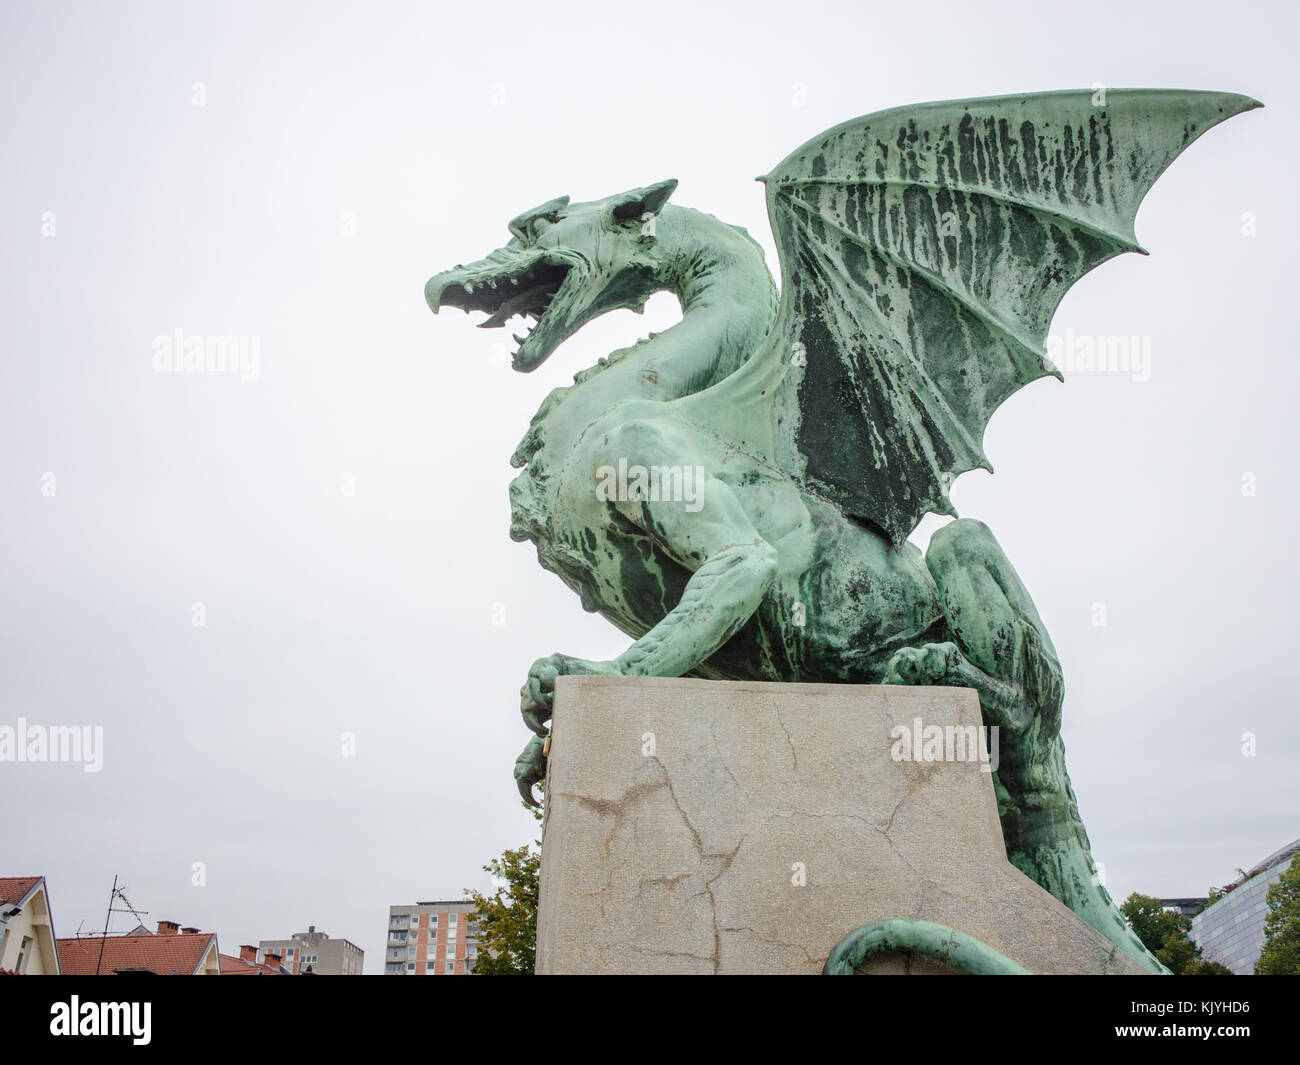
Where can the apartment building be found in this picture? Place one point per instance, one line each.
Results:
(431, 939)
(314, 951)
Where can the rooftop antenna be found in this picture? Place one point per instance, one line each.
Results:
(117, 893)
(104, 939)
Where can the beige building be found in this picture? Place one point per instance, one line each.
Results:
(27, 941)
(431, 939)
(314, 951)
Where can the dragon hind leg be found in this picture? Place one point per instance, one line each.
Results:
(996, 623)
(1003, 651)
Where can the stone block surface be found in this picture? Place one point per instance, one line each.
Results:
(737, 827)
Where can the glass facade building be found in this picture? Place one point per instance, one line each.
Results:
(1231, 931)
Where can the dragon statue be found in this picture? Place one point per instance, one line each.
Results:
(774, 451)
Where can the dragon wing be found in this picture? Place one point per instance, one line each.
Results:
(923, 252)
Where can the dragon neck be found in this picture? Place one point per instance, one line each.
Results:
(728, 301)
(744, 401)
(727, 297)
(716, 268)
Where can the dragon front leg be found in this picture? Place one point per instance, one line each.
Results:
(733, 567)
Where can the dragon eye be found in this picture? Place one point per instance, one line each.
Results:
(539, 225)
(626, 222)
(528, 226)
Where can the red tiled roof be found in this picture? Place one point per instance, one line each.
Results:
(13, 889)
(166, 955)
(232, 966)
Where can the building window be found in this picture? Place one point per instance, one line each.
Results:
(24, 952)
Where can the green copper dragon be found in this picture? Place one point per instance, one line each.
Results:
(923, 252)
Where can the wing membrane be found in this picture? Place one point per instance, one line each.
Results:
(923, 253)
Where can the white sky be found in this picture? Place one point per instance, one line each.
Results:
(429, 126)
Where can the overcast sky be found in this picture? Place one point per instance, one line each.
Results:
(292, 173)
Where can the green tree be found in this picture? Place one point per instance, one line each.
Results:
(1214, 895)
(1281, 956)
(1177, 952)
(1164, 933)
(507, 919)
(1202, 967)
(1151, 922)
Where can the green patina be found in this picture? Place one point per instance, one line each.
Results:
(923, 253)
(937, 941)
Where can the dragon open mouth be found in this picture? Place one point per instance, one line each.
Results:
(503, 291)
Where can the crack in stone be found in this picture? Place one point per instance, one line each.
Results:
(941, 890)
(722, 760)
(775, 942)
(725, 859)
(794, 755)
(817, 817)
(615, 808)
(892, 814)
(662, 881)
(713, 901)
(664, 953)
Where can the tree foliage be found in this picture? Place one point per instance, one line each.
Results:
(1151, 922)
(1281, 956)
(1204, 967)
(1164, 933)
(507, 918)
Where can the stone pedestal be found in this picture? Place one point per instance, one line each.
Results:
(734, 827)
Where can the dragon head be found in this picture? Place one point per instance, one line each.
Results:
(565, 264)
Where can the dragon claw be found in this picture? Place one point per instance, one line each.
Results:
(929, 664)
(538, 693)
(535, 701)
(530, 767)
